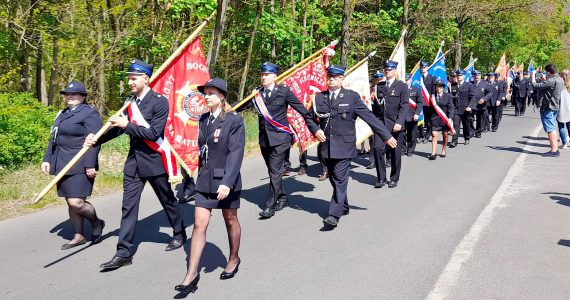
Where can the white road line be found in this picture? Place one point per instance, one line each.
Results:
(463, 252)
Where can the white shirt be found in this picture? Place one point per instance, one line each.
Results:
(215, 113)
(335, 93)
(389, 82)
(270, 89)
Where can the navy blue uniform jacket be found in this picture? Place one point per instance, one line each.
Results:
(142, 158)
(481, 90)
(225, 152)
(396, 107)
(415, 95)
(339, 128)
(68, 134)
(281, 98)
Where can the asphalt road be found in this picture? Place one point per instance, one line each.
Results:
(489, 221)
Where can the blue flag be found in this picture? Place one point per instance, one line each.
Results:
(438, 69)
(469, 69)
(530, 67)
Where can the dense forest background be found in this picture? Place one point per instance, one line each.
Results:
(46, 43)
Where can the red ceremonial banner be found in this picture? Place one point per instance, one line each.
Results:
(305, 83)
(179, 84)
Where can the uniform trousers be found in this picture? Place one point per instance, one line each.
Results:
(395, 155)
(480, 116)
(456, 126)
(274, 157)
(132, 190)
(411, 135)
(496, 117)
(339, 172)
(488, 114)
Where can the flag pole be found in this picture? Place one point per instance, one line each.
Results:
(400, 41)
(442, 56)
(285, 74)
(107, 125)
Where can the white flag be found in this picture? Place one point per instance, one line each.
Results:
(358, 81)
(399, 55)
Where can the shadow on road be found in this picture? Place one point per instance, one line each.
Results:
(148, 230)
(533, 144)
(564, 243)
(514, 149)
(558, 197)
(537, 138)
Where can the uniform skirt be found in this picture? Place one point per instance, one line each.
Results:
(437, 124)
(210, 200)
(75, 186)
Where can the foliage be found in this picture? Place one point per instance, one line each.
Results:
(24, 129)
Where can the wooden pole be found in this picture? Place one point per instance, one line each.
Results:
(285, 74)
(103, 129)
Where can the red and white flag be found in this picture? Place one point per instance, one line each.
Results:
(179, 82)
(305, 83)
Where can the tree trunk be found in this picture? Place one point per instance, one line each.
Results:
(53, 73)
(39, 68)
(458, 44)
(218, 33)
(25, 70)
(345, 33)
(304, 29)
(291, 43)
(273, 42)
(250, 49)
(311, 32)
(100, 103)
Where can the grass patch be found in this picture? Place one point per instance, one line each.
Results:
(18, 188)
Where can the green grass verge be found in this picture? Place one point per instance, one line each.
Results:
(18, 188)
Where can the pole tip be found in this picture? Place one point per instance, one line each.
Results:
(372, 53)
(334, 43)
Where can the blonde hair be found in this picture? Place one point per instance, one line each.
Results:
(226, 107)
(565, 74)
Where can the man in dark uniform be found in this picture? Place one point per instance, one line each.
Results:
(429, 82)
(502, 97)
(490, 79)
(187, 188)
(377, 78)
(411, 124)
(495, 102)
(482, 95)
(337, 109)
(515, 94)
(392, 111)
(273, 142)
(465, 105)
(524, 93)
(143, 164)
(454, 90)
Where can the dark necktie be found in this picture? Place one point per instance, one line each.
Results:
(210, 121)
(266, 94)
(333, 97)
(138, 101)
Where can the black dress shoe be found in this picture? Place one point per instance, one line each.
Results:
(478, 136)
(96, 239)
(286, 173)
(67, 246)
(190, 288)
(443, 154)
(466, 142)
(281, 204)
(227, 275)
(346, 212)
(267, 213)
(187, 198)
(453, 144)
(410, 153)
(175, 244)
(371, 166)
(379, 184)
(117, 262)
(392, 184)
(302, 171)
(331, 221)
(324, 176)
(432, 157)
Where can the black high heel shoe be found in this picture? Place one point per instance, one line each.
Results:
(432, 157)
(443, 154)
(190, 288)
(227, 275)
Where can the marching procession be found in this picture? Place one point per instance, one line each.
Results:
(391, 110)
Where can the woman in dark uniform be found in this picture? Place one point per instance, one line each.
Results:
(445, 102)
(68, 132)
(222, 141)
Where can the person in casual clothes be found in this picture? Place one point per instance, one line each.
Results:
(564, 112)
(549, 92)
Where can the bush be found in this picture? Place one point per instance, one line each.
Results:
(24, 129)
